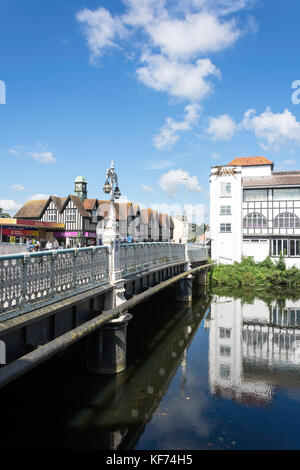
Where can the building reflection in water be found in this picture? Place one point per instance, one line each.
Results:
(253, 348)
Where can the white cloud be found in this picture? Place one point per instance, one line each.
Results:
(222, 127)
(169, 132)
(175, 35)
(183, 80)
(273, 130)
(147, 189)
(172, 181)
(192, 35)
(42, 157)
(18, 187)
(9, 205)
(100, 30)
(289, 162)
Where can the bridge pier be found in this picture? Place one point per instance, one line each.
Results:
(106, 350)
(184, 289)
(201, 277)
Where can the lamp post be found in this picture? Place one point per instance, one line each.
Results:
(185, 236)
(111, 187)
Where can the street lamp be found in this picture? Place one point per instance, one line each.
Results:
(185, 236)
(111, 187)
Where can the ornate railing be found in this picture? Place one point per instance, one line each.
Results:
(197, 253)
(135, 257)
(29, 281)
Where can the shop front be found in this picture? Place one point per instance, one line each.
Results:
(22, 230)
(73, 239)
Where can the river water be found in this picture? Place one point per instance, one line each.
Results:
(223, 373)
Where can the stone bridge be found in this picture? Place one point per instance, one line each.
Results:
(50, 300)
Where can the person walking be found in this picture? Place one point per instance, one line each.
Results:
(55, 245)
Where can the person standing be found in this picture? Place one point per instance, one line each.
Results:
(48, 245)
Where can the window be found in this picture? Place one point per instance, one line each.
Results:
(224, 332)
(52, 215)
(286, 220)
(225, 210)
(225, 227)
(70, 215)
(225, 350)
(224, 371)
(225, 189)
(255, 220)
(285, 247)
(252, 195)
(286, 194)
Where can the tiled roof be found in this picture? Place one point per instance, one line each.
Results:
(31, 209)
(89, 204)
(275, 180)
(249, 161)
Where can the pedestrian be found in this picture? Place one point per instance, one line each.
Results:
(48, 245)
(55, 244)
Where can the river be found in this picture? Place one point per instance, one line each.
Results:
(223, 373)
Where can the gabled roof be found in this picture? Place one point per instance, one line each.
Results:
(145, 216)
(89, 204)
(250, 161)
(163, 219)
(32, 209)
(78, 203)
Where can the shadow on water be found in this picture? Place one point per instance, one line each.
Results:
(59, 405)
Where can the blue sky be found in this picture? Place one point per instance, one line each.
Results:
(166, 89)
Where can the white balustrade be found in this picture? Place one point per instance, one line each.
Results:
(29, 281)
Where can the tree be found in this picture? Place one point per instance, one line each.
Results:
(4, 215)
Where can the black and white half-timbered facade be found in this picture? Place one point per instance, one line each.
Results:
(255, 211)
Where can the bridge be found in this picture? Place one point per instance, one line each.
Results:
(50, 300)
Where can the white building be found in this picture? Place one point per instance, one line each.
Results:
(254, 211)
(252, 347)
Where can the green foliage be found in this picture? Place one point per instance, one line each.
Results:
(248, 274)
(4, 215)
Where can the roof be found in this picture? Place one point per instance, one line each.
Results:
(89, 204)
(145, 216)
(78, 203)
(31, 209)
(80, 179)
(274, 180)
(250, 161)
(163, 219)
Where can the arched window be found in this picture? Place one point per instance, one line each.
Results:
(286, 220)
(255, 220)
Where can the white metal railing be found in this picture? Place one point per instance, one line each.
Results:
(136, 257)
(197, 253)
(29, 281)
(12, 248)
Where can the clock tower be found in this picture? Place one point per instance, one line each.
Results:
(80, 188)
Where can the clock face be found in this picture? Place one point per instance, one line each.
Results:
(78, 187)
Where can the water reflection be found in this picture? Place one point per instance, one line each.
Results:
(118, 414)
(253, 347)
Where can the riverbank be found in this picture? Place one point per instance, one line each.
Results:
(249, 274)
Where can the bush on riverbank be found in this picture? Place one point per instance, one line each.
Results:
(250, 274)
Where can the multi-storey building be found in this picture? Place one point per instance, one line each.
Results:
(77, 220)
(254, 211)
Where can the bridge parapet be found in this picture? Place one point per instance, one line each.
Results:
(197, 253)
(139, 256)
(29, 281)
